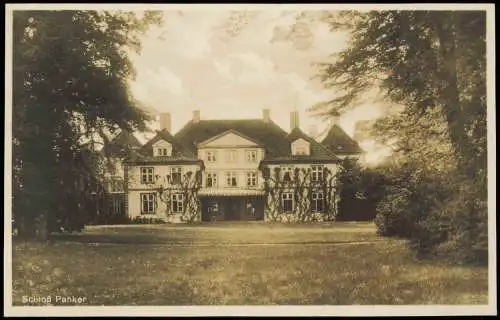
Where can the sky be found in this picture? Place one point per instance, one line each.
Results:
(233, 64)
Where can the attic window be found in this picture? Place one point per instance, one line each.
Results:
(163, 151)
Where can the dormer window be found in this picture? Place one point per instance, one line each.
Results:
(300, 147)
(165, 152)
(162, 148)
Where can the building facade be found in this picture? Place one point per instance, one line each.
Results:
(252, 169)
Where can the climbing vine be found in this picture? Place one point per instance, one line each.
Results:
(187, 187)
(302, 186)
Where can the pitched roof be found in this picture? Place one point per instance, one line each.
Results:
(339, 142)
(272, 137)
(267, 134)
(179, 151)
(317, 152)
(227, 132)
(122, 144)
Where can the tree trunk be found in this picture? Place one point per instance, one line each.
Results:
(449, 96)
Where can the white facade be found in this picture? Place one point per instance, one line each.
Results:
(232, 160)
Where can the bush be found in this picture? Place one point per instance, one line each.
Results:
(147, 220)
(442, 214)
(361, 189)
(457, 230)
(394, 215)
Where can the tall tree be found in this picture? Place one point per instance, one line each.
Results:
(423, 60)
(70, 73)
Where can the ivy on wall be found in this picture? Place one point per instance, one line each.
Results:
(302, 186)
(188, 186)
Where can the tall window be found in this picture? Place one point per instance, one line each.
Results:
(251, 179)
(147, 174)
(177, 202)
(231, 179)
(148, 203)
(116, 205)
(317, 173)
(287, 173)
(287, 201)
(317, 203)
(211, 180)
(232, 156)
(252, 156)
(211, 156)
(176, 175)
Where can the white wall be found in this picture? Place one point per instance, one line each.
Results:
(162, 170)
(241, 166)
(134, 208)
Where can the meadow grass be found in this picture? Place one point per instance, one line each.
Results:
(238, 264)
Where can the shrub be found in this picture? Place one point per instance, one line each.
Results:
(443, 214)
(361, 189)
(457, 230)
(394, 214)
(147, 220)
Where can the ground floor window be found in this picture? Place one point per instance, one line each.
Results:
(317, 203)
(231, 179)
(148, 203)
(287, 201)
(116, 205)
(177, 202)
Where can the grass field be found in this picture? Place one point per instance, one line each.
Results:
(238, 264)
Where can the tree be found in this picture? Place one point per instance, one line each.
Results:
(423, 60)
(70, 73)
(432, 66)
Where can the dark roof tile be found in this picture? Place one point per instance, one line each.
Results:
(340, 143)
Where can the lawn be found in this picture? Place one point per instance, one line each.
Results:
(238, 264)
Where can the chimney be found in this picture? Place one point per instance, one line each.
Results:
(336, 118)
(165, 122)
(294, 120)
(266, 115)
(196, 116)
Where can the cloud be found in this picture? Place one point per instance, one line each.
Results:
(225, 64)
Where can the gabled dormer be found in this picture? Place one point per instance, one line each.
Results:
(300, 147)
(162, 148)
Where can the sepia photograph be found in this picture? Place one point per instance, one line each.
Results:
(238, 159)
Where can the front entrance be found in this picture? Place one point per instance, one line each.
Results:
(234, 208)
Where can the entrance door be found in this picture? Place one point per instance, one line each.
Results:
(232, 209)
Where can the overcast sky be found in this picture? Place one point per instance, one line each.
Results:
(232, 64)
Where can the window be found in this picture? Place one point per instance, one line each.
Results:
(116, 185)
(317, 173)
(300, 151)
(252, 156)
(147, 175)
(116, 206)
(176, 175)
(211, 156)
(148, 203)
(231, 179)
(317, 202)
(163, 152)
(287, 202)
(177, 202)
(251, 179)
(232, 156)
(211, 180)
(287, 173)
